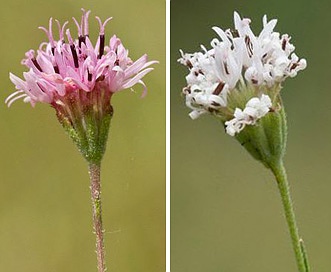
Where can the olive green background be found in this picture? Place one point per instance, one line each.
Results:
(45, 209)
(226, 214)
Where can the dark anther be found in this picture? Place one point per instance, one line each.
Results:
(81, 39)
(117, 63)
(189, 64)
(53, 50)
(265, 55)
(219, 88)
(213, 103)
(196, 73)
(56, 69)
(294, 65)
(226, 68)
(200, 72)
(36, 64)
(102, 46)
(74, 55)
(100, 78)
(249, 46)
(89, 76)
(186, 90)
(284, 44)
(254, 81)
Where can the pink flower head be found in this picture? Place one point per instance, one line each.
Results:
(61, 71)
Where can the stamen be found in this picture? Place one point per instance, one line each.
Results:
(284, 44)
(89, 76)
(81, 39)
(226, 68)
(219, 88)
(36, 64)
(72, 48)
(102, 35)
(56, 69)
(249, 46)
(294, 65)
(74, 55)
(102, 45)
(215, 104)
(100, 78)
(189, 64)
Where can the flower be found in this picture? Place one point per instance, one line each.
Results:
(255, 109)
(240, 71)
(78, 79)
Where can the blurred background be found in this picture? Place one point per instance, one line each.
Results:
(226, 214)
(45, 209)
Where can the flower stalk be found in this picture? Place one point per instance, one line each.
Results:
(95, 186)
(297, 243)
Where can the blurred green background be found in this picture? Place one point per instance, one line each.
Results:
(226, 214)
(45, 209)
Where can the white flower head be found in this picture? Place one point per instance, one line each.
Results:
(241, 70)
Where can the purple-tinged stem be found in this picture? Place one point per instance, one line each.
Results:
(94, 171)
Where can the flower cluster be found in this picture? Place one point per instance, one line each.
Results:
(241, 70)
(76, 67)
(78, 80)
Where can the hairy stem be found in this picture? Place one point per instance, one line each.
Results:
(297, 242)
(94, 171)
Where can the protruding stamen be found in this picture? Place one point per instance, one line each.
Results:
(102, 35)
(102, 46)
(35, 62)
(249, 46)
(284, 44)
(74, 55)
(72, 48)
(189, 64)
(81, 39)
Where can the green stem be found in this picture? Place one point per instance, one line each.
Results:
(283, 186)
(94, 171)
